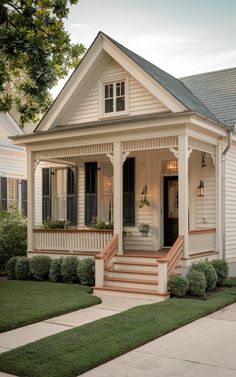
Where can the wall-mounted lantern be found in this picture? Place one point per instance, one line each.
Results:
(200, 189)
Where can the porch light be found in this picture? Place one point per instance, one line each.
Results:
(172, 166)
(200, 189)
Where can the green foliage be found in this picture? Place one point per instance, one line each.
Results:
(35, 51)
(86, 271)
(10, 267)
(39, 267)
(13, 236)
(222, 270)
(100, 224)
(178, 286)
(55, 270)
(197, 283)
(69, 269)
(22, 268)
(208, 270)
(53, 224)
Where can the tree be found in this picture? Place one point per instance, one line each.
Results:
(35, 51)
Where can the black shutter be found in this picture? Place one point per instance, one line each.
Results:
(24, 196)
(129, 192)
(3, 193)
(46, 193)
(71, 196)
(90, 191)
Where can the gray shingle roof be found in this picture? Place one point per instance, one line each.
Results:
(173, 85)
(217, 90)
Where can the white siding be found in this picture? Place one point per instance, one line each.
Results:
(140, 100)
(230, 203)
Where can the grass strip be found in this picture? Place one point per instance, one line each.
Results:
(76, 351)
(26, 302)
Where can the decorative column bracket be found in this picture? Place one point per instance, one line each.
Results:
(176, 152)
(36, 162)
(111, 157)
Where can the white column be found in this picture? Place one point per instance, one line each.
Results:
(30, 199)
(183, 190)
(218, 198)
(118, 194)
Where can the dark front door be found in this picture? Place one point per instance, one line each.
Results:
(170, 210)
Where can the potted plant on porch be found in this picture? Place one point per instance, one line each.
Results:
(144, 229)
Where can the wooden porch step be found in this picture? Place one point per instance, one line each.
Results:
(131, 281)
(137, 255)
(132, 290)
(137, 264)
(136, 272)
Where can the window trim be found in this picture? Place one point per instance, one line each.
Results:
(102, 84)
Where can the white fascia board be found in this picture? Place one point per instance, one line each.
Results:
(156, 89)
(210, 125)
(71, 85)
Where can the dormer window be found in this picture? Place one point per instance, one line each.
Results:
(114, 98)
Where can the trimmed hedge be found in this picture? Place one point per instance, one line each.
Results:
(22, 268)
(69, 269)
(55, 270)
(178, 286)
(197, 283)
(222, 270)
(39, 267)
(86, 271)
(208, 270)
(11, 267)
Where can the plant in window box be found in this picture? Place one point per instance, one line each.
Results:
(144, 229)
(54, 224)
(100, 224)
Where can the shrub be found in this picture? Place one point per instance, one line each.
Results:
(178, 286)
(208, 270)
(22, 268)
(55, 270)
(53, 224)
(10, 267)
(86, 271)
(13, 236)
(222, 270)
(39, 267)
(69, 269)
(197, 283)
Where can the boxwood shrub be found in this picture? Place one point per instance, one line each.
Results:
(69, 269)
(22, 268)
(197, 283)
(222, 270)
(39, 267)
(55, 270)
(11, 267)
(208, 270)
(178, 286)
(86, 271)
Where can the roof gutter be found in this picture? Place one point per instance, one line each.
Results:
(223, 175)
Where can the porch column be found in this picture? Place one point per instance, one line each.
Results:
(218, 198)
(118, 194)
(30, 199)
(183, 190)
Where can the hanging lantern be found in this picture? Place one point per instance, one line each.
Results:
(200, 189)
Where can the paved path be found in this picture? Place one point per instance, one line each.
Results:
(205, 348)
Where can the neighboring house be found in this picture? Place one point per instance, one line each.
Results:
(13, 172)
(130, 144)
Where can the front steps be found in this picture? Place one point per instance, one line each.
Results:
(132, 275)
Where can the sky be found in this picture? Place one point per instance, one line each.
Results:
(182, 37)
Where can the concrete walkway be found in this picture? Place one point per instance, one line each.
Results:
(205, 348)
(28, 334)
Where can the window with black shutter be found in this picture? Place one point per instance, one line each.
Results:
(46, 193)
(129, 192)
(24, 196)
(90, 191)
(71, 196)
(3, 193)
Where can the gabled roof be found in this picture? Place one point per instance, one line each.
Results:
(218, 91)
(173, 85)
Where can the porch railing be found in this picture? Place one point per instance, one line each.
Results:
(102, 260)
(202, 241)
(71, 240)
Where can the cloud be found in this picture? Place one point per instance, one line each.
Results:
(79, 27)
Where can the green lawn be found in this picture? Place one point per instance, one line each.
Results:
(75, 351)
(25, 302)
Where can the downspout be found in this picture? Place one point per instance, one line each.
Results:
(223, 159)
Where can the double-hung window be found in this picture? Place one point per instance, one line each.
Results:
(115, 98)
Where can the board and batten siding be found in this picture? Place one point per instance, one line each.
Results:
(230, 203)
(141, 101)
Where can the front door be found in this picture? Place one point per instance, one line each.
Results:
(170, 210)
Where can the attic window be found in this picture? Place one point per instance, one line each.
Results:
(114, 97)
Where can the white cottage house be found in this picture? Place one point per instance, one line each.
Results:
(13, 172)
(129, 144)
